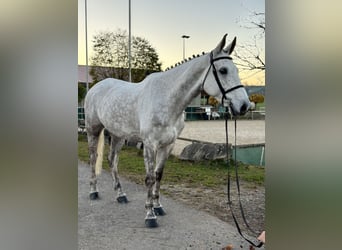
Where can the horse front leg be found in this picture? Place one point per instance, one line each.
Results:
(149, 156)
(161, 158)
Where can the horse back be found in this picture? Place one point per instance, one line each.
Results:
(113, 104)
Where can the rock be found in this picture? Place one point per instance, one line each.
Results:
(204, 151)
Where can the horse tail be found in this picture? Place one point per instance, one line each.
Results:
(99, 151)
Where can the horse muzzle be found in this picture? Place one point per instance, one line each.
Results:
(240, 109)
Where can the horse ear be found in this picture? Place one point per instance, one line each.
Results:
(220, 46)
(229, 49)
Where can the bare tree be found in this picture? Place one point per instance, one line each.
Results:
(250, 56)
(256, 20)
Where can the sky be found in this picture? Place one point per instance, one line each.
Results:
(163, 22)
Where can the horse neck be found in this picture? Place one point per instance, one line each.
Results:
(186, 81)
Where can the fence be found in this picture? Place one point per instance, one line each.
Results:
(253, 154)
(194, 114)
(199, 113)
(80, 119)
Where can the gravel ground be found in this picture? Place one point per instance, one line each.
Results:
(105, 224)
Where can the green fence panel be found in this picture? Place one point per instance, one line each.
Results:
(253, 155)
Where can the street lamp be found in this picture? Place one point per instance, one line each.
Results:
(184, 37)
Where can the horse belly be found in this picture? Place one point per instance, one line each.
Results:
(120, 117)
(122, 129)
(122, 123)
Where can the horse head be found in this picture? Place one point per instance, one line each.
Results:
(223, 80)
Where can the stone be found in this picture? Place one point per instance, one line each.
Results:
(204, 151)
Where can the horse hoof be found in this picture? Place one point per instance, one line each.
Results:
(94, 196)
(122, 199)
(151, 222)
(159, 211)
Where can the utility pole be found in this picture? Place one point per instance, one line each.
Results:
(129, 42)
(86, 40)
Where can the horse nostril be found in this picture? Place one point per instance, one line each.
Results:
(243, 109)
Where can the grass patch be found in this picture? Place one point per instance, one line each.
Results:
(208, 173)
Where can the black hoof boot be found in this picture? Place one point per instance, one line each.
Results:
(151, 222)
(159, 211)
(94, 195)
(122, 199)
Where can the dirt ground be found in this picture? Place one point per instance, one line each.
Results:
(215, 201)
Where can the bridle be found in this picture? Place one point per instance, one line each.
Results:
(226, 104)
(217, 79)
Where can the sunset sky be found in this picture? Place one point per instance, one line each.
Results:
(163, 22)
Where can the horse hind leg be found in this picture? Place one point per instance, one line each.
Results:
(93, 141)
(113, 159)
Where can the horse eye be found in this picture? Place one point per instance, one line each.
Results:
(223, 71)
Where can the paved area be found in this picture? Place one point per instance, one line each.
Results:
(106, 224)
(248, 132)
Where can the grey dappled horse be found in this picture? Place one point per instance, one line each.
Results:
(153, 111)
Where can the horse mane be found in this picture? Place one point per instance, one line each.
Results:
(184, 61)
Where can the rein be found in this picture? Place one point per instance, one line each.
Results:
(225, 102)
(237, 184)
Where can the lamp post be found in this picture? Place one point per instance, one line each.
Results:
(129, 42)
(184, 37)
(86, 40)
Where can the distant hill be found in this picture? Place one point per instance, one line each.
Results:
(255, 90)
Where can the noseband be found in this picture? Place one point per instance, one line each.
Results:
(223, 91)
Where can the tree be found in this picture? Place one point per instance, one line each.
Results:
(81, 92)
(144, 57)
(111, 54)
(257, 98)
(212, 101)
(251, 55)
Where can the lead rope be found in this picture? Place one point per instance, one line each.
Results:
(238, 182)
(238, 185)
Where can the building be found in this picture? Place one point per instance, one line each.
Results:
(82, 76)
